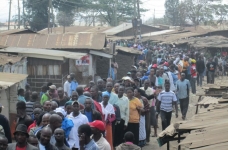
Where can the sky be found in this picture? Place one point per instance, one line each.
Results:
(158, 5)
(151, 5)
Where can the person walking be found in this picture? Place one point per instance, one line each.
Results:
(211, 68)
(183, 87)
(166, 100)
(193, 76)
(200, 68)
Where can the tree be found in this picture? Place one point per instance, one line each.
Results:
(199, 10)
(112, 11)
(171, 12)
(36, 11)
(65, 19)
(221, 12)
(36, 14)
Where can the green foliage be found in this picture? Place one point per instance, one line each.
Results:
(36, 14)
(113, 11)
(172, 12)
(65, 19)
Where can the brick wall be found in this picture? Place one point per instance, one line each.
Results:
(37, 81)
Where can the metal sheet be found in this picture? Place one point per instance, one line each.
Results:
(9, 79)
(44, 53)
(94, 41)
(12, 59)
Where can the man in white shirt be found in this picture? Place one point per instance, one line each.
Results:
(98, 128)
(67, 89)
(78, 119)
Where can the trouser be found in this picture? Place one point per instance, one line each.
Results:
(193, 85)
(184, 106)
(119, 133)
(211, 76)
(200, 79)
(165, 118)
(134, 128)
(147, 126)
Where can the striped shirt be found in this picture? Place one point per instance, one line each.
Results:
(167, 99)
(29, 108)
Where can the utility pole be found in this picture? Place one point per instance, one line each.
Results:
(24, 13)
(115, 12)
(9, 14)
(49, 9)
(53, 17)
(139, 22)
(19, 16)
(135, 15)
(154, 17)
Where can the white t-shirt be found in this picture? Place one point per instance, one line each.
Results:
(103, 144)
(67, 88)
(167, 99)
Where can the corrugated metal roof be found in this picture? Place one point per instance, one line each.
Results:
(43, 53)
(118, 29)
(75, 29)
(128, 50)
(94, 41)
(172, 37)
(5, 59)
(9, 79)
(16, 31)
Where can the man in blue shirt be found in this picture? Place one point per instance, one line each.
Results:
(90, 113)
(74, 83)
(183, 86)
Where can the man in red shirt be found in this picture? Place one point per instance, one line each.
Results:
(21, 136)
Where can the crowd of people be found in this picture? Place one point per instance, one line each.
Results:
(108, 113)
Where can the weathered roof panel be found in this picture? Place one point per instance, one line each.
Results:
(16, 31)
(43, 53)
(5, 59)
(94, 41)
(9, 79)
(75, 29)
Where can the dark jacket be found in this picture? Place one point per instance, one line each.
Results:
(200, 66)
(95, 115)
(117, 112)
(51, 147)
(12, 146)
(5, 124)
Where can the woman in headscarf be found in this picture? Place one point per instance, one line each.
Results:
(108, 116)
(135, 107)
(145, 109)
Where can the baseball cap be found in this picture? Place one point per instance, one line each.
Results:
(154, 66)
(75, 102)
(98, 124)
(129, 73)
(52, 87)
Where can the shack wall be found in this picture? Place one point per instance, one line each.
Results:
(42, 71)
